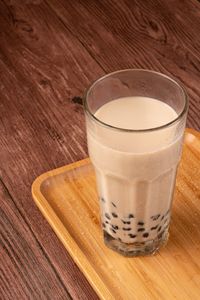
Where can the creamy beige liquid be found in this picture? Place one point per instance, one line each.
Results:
(135, 171)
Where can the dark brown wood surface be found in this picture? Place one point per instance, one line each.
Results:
(50, 51)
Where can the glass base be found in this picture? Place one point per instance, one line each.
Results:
(138, 248)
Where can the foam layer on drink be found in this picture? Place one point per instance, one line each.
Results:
(135, 170)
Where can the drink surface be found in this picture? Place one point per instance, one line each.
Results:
(135, 170)
(136, 113)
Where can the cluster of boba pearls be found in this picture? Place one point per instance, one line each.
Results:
(128, 229)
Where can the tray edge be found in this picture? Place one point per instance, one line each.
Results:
(62, 233)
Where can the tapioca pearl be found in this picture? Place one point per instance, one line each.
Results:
(159, 228)
(113, 230)
(154, 227)
(130, 216)
(113, 204)
(132, 235)
(107, 216)
(155, 217)
(114, 215)
(126, 222)
(115, 227)
(126, 229)
(140, 223)
(141, 229)
(145, 235)
(107, 222)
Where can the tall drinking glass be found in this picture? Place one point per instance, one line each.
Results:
(135, 123)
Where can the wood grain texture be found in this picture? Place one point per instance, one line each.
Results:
(40, 129)
(67, 198)
(50, 51)
(141, 34)
(25, 267)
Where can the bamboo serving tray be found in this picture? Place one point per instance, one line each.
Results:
(68, 200)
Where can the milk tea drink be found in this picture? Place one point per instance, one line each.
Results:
(135, 168)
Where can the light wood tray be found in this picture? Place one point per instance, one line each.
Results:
(68, 200)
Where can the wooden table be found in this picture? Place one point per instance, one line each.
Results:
(50, 51)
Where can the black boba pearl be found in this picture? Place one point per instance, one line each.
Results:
(154, 227)
(130, 216)
(113, 230)
(141, 223)
(145, 235)
(115, 227)
(141, 229)
(132, 235)
(107, 216)
(156, 217)
(126, 222)
(114, 215)
(126, 229)
(107, 222)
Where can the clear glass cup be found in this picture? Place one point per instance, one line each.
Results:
(135, 180)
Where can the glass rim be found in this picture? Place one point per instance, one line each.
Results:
(91, 115)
